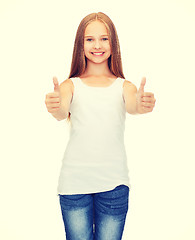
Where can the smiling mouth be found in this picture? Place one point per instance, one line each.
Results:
(98, 53)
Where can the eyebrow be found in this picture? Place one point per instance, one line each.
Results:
(101, 36)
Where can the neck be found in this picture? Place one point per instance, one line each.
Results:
(97, 69)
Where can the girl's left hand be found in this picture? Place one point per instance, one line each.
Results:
(145, 101)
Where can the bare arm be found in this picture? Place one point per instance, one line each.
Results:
(58, 102)
(129, 93)
(138, 102)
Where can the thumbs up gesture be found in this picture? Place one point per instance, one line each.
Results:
(53, 99)
(56, 84)
(145, 101)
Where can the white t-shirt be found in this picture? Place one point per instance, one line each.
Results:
(95, 157)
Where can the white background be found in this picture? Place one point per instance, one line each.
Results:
(157, 40)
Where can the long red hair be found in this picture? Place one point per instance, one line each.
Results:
(79, 62)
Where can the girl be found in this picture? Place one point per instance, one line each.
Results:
(94, 184)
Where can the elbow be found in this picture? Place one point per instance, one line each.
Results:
(132, 111)
(62, 117)
(59, 119)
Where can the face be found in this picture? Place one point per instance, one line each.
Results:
(96, 42)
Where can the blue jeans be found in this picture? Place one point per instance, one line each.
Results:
(99, 216)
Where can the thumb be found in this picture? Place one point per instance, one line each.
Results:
(56, 84)
(143, 82)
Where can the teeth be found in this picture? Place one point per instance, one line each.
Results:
(98, 53)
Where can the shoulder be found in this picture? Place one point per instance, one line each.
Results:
(67, 85)
(129, 91)
(129, 86)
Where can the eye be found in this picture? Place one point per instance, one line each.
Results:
(105, 39)
(89, 39)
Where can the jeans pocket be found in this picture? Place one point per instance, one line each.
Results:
(72, 197)
(70, 202)
(115, 201)
(119, 191)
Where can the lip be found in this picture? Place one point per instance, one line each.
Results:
(101, 53)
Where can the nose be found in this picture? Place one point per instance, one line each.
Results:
(97, 44)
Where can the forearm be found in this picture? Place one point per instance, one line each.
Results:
(132, 109)
(132, 106)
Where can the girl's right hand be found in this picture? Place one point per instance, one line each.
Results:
(53, 99)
